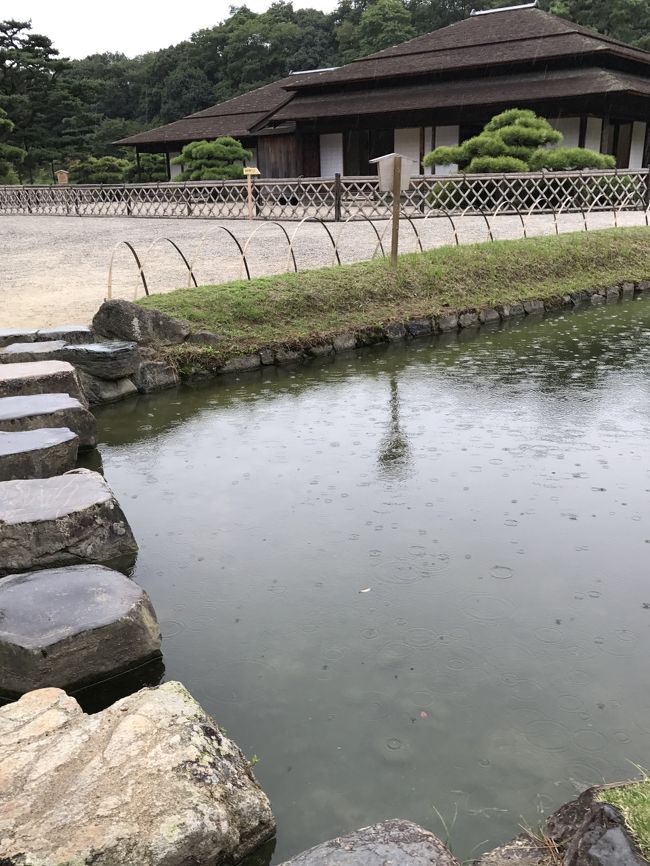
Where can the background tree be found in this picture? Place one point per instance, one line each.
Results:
(516, 140)
(105, 169)
(221, 159)
(10, 156)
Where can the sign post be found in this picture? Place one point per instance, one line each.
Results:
(250, 172)
(394, 177)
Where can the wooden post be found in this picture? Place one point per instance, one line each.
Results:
(647, 190)
(337, 197)
(397, 184)
(249, 183)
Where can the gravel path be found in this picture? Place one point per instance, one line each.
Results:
(55, 270)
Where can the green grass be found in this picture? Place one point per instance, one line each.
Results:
(633, 801)
(308, 307)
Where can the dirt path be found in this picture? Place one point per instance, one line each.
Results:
(54, 270)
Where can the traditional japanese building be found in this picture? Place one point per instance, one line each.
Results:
(436, 89)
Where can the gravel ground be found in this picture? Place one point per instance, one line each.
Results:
(56, 270)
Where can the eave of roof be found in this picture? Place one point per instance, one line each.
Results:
(498, 89)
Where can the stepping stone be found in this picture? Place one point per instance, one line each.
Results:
(37, 453)
(152, 779)
(112, 360)
(68, 627)
(24, 353)
(16, 335)
(48, 410)
(40, 377)
(65, 520)
(67, 333)
(102, 391)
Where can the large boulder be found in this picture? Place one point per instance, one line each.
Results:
(397, 842)
(40, 377)
(37, 453)
(121, 320)
(48, 410)
(155, 376)
(152, 781)
(71, 626)
(116, 359)
(98, 391)
(64, 520)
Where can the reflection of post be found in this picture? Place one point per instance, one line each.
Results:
(397, 186)
(394, 450)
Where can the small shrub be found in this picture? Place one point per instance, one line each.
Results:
(221, 159)
(501, 164)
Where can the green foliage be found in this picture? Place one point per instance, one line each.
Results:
(221, 159)
(516, 140)
(633, 801)
(103, 169)
(10, 156)
(152, 168)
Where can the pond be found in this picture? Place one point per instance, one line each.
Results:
(412, 581)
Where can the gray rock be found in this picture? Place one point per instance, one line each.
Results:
(603, 840)
(613, 293)
(155, 376)
(395, 331)
(68, 627)
(288, 356)
(267, 357)
(468, 319)
(204, 338)
(24, 353)
(113, 360)
(37, 453)
(643, 286)
(488, 315)
(40, 377)
(512, 311)
(370, 336)
(48, 410)
(448, 322)
(64, 520)
(70, 334)
(321, 350)
(627, 290)
(99, 391)
(534, 308)
(597, 298)
(16, 335)
(121, 320)
(394, 842)
(345, 342)
(419, 327)
(580, 298)
(151, 780)
(241, 363)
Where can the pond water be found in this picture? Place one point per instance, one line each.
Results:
(412, 581)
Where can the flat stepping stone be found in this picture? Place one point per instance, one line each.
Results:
(67, 333)
(117, 359)
(16, 335)
(66, 520)
(68, 627)
(48, 410)
(40, 377)
(24, 353)
(37, 453)
(152, 779)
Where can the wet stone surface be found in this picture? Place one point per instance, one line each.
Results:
(69, 626)
(37, 453)
(40, 377)
(23, 353)
(48, 410)
(99, 391)
(70, 334)
(61, 521)
(16, 335)
(114, 359)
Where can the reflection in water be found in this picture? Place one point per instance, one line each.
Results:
(495, 519)
(394, 457)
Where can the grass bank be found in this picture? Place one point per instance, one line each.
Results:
(633, 801)
(291, 310)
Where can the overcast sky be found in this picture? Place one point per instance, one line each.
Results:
(130, 26)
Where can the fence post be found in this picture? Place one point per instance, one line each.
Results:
(647, 189)
(337, 197)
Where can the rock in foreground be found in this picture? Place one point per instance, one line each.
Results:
(152, 780)
(394, 842)
(48, 410)
(40, 377)
(37, 453)
(121, 320)
(64, 520)
(70, 626)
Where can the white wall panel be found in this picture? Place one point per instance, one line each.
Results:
(331, 154)
(638, 144)
(446, 136)
(570, 129)
(407, 142)
(594, 133)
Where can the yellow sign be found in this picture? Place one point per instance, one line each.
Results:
(250, 170)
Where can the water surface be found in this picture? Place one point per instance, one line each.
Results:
(412, 581)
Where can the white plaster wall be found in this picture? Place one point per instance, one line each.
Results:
(252, 162)
(407, 142)
(174, 170)
(594, 133)
(428, 145)
(570, 129)
(446, 136)
(638, 144)
(331, 154)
